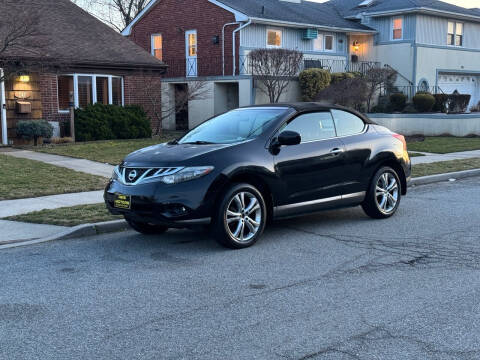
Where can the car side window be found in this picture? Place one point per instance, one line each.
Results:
(313, 126)
(347, 123)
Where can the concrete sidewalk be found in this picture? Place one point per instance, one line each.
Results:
(24, 206)
(82, 165)
(16, 231)
(431, 158)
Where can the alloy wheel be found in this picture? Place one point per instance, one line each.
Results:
(243, 217)
(386, 193)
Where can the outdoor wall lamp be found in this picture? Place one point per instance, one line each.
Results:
(24, 78)
(356, 46)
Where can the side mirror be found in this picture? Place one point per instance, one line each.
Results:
(288, 138)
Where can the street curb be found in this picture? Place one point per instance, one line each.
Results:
(84, 230)
(431, 179)
(87, 230)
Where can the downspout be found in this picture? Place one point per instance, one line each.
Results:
(223, 43)
(234, 40)
(3, 109)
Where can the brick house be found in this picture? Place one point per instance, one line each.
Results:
(79, 55)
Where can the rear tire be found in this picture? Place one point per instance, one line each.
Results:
(240, 218)
(383, 195)
(146, 228)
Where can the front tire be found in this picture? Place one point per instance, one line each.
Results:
(383, 195)
(146, 228)
(240, 217)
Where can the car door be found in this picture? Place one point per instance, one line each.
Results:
(312, 169)
(351, 130)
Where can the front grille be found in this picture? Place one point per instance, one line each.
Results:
(134, 175)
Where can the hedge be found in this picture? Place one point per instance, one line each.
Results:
(109, 122)
(398, 101)
(453, 103)
(424, 102)
(312, 81)
(337, 77)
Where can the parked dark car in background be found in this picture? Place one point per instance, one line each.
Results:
(237, 171)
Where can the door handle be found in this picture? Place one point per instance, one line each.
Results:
(336, 151)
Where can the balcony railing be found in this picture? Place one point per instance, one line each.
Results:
(214, 66)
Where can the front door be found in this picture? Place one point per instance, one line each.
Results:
(191, 52)
(312, 170)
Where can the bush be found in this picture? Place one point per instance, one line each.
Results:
(398, 101)
(337, 77)
(441, 103)
(108, 122)
(33, 129)
(350, 92)
(475, 108)
(312, 81)
(409, 109)
(424, 102)
(458, 103)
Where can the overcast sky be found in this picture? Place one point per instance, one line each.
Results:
(464, 3)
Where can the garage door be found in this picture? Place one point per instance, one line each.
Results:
(464, 84)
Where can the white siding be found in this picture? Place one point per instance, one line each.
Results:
(433, 31)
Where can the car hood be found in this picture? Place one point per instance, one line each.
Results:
(170, 155)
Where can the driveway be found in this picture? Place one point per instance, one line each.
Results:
(331, 286)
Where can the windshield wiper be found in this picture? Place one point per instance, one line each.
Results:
(198, 143)
(173, 142)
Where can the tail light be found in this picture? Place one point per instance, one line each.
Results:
(402, 139)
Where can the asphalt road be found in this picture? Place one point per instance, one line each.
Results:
(331, 286)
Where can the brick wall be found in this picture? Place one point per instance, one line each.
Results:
(48, 87)
(172, 18)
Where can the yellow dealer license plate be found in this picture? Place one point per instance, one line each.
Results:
(122, 202)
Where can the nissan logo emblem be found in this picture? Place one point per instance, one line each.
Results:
(132, 175)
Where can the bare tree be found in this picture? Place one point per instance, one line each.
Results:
(377, 78)
(275, 69)
(160, 111)
(116, 13)
(21, 42)
(349, 92)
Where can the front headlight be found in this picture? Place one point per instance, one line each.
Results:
(116, 173)
(187, 174)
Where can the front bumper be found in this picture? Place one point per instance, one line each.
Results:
(181, 205)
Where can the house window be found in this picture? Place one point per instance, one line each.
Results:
(329, 43)
(157, 46)
(102, 90)
(397, 32)
(65, 87)
(455, 34)
(85, 96)
(192, 44)
(274, 38)
(89, 89)
(318, 43)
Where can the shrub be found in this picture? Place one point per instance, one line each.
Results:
(441, 103)
(475, 108)
(458, 103)
(337, 77)
(107, 122)
(349, 92)
(34, 129)
(409, 109)
(398, 101)
(424, 102)
(312, 81)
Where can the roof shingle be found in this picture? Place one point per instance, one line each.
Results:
(73, 36)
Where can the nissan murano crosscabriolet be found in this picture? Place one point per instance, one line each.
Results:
(237, 171)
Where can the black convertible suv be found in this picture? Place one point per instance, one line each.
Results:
(239, 170)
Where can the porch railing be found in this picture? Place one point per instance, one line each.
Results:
(410, 90)
(214, 66)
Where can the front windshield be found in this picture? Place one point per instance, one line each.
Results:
(234, 126)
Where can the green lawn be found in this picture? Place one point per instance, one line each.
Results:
(23, 178)
(444, 144)
(445, 167)
(111, 152)
(69, 216)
